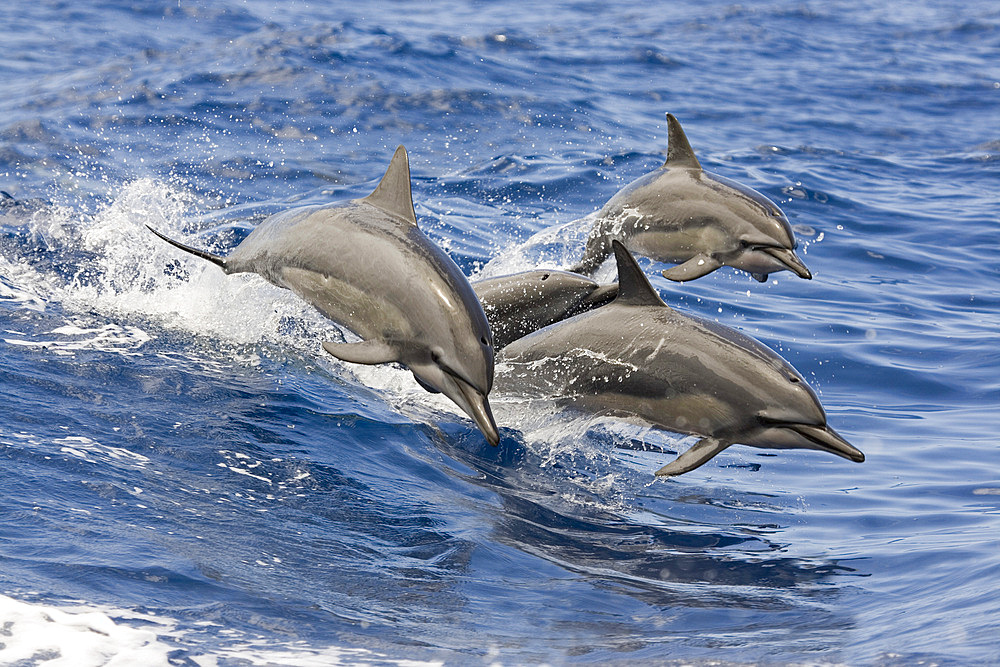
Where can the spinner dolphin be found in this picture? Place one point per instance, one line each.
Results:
(365, 265)
(640, 360)
(684, 215)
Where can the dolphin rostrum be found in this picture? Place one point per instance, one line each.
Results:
(640, 360)
(518, 304)
(700, 221)
(365, 265)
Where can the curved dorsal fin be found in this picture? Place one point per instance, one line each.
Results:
(392, 194)
(679, 151)
(633, 286)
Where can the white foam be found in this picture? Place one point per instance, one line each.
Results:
(78, 636)
(558, 246)
(130, 276)
(134, 273)
(72, 337)
(92, 451)
(22, 286)
(85, 635)
(11, 292)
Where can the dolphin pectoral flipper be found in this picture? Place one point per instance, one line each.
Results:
(696, 267)
(366, 352)
(698, 454)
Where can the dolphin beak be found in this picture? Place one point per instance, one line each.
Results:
(477, 406)
(829, 441)
(791, 261)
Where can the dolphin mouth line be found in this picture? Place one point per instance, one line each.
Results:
(828, 440)
(460, 378)
(788, 257)
(477, 406)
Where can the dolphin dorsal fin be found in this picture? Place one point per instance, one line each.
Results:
(679, 151)
(392, 194)
(633, 286)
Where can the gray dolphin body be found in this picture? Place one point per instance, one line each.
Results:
(519, 304)
(640, 360)
(684, 215)
(365, 265)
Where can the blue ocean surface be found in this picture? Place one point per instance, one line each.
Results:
(189, 479)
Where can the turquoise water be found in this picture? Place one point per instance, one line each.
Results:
(185, 464)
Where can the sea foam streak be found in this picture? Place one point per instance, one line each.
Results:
(85, 635)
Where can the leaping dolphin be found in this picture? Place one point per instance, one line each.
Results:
(640, 360)
(365, 265)
(701, 221)
(519, 304)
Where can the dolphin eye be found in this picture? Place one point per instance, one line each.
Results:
(545, 276)
(744, 243)
(484, 341)
(436, 355)
(793, 379)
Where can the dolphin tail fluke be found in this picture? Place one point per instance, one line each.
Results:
(696, 456)
(366, 352)
(215, 259)
(696, 267)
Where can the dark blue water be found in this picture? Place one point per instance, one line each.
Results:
(189, 479)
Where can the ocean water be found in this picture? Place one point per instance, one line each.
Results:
(188, 479)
